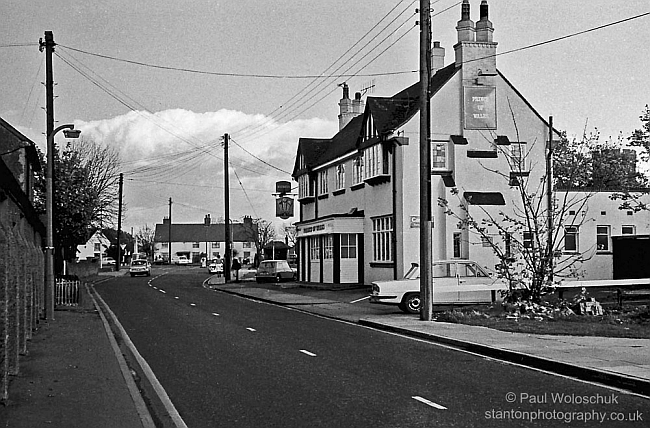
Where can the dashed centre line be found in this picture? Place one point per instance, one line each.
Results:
(192, 304)
(215, 314)
(429, 403)
(250, 329)
(304, 351)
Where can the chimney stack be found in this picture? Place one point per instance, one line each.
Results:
(349, 108)
(465, 26)
(437, 57)
(484, 27)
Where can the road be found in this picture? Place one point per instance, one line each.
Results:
(226, 361)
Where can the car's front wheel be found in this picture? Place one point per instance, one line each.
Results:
(411, 303)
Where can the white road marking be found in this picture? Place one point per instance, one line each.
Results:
(192, 304)
(250, 329)
(358, 300)
(311, 354)
(155, 288)
(163, 291)
(175, 297)
(215, 314)
(429, 403)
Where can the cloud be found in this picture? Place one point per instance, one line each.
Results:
(177, 153)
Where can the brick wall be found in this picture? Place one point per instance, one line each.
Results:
(21, 276)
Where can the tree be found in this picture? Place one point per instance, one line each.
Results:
(85, 193)
(265, 234)
(145, 236)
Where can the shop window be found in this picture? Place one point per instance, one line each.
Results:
(328, 247)
(314, 248)
(382, 239)
(348, 246)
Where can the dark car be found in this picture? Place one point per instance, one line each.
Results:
(274, 270)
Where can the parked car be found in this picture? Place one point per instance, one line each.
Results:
(274, 270)
(182, 260)
(140, 267)
(109, 261)
(215, 267)
(454, 282)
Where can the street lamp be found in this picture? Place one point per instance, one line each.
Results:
(69, 132)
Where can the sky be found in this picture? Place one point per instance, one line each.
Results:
(162, 81)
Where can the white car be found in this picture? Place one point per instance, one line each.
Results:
(454, 282)
(182, 260)
(140, 267)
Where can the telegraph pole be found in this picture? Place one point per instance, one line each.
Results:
(119, 223)
(549, 197)
(226, 195)
(426, 259)
(48, 45)
(170, 231)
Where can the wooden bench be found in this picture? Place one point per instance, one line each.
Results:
(630, 294)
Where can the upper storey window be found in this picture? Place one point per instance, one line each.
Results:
(340, 177)
(305, 187)
(322, 182)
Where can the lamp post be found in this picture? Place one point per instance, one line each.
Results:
(69, 132)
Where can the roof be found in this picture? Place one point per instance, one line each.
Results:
(388, 113)
(198, 232)
(29, 146)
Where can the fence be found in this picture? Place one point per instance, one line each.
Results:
(67, 292)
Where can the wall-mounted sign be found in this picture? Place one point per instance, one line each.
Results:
(480, 106)
(284, 207)
(415, 221)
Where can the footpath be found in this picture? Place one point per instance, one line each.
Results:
(75, 374)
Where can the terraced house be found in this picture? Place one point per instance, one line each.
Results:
(359, 190)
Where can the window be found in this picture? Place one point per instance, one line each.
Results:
(439, 156)
(602, 238)
(382, 239)
(486, 241)
(247, 254)
(328, 247)
(517, 157)
(628, 230)
(457, 244)
(195, 245)
(246, 245)
(571, 238)
(305, 187)
(528, 239)
(97, 246)
(340, 177)
(357, 173)
(322, 182)
(215, 245)
(314, 248)
(165, 245)
(376, 161)
(348, 246)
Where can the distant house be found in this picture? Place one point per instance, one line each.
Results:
(96, 245)
(196, 239)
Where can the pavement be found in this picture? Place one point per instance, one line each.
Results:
(75, 374)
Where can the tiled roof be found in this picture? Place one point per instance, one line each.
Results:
(389, 113)
(200, 233)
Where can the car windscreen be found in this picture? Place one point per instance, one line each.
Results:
(138, 263)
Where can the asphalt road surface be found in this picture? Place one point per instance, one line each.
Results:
(227, 361)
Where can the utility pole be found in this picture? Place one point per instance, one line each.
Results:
(426, 259)
(48, 45)
(549, 197)
(226, 195)
(119, 224)
(170, 231)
